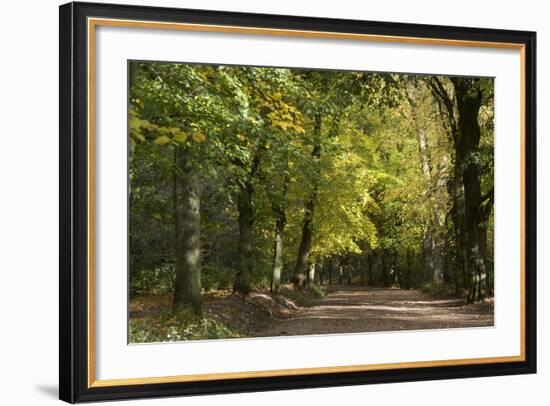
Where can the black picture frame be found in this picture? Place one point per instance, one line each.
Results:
(73, 256)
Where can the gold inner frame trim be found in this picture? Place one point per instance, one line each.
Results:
(94, 22)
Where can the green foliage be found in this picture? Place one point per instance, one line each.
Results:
(152, 280)
(217, 277)
(180, 326)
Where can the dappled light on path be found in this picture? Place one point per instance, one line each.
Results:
(357, 309)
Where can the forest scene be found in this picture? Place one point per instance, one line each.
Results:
(268, 202)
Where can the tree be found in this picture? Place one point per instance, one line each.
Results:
(435, 176)
(187, 287)
(462, 108)
(176, 104)
(469, 98)
(270, 114)
(309, 209)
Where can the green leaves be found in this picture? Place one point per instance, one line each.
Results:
(373, 192)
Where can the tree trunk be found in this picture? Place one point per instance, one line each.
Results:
(175, 179)
(278, 251)
(396, 276)
(437, 254)
(475, 231)
(466, 134)
(305, 244)
(408, 273)
(307, 226)
(430, 255)
(484, 253)
(457, 215)
(370, 280)
(427, 257)
(278, 208)
(188, 256)
(362, 269)
(468, 96)
(246, 221)
(311, 275)
(242, 283)
(455, 186)
(385, 275)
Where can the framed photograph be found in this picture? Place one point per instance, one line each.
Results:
(257, 202)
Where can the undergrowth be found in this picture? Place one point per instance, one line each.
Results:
(315, 291)
(305, 295)
(182, 325)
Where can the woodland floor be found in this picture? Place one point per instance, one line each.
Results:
(345, 309)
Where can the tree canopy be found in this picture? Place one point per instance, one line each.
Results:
(248, 177)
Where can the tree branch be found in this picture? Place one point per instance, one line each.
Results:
(443, 96)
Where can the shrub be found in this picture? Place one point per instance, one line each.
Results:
(217, 277)
(182, 325)
(158, 280)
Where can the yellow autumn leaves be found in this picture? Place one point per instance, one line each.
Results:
(179, 137)
(139, 128)
(162, 140)
(280, 114)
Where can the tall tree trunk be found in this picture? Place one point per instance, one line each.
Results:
(188, 256)
(246, 221)
(430, 254)
(311, 274)
(484, 252)
(278, 252)
(468, 97)
(175, 171)
(428, 243)
(242, 282)
(370, 277)
(305, 242)
(278, 209)
(396, 277)
(476, 261)
(448, 253)
(447, 103)
(307, 226)
(437, 252)
(408, 273)
(386, 277)
(427, 256)
(363, 270)
(457, 215)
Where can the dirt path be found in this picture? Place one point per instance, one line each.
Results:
(345, 309)
(348, 309)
